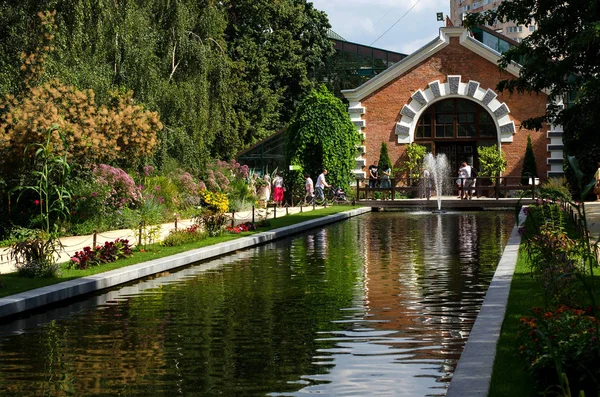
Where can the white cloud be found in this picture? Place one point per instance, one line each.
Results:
(363, 21)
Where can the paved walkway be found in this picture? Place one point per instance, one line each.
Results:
(77, 243)
(592, 210)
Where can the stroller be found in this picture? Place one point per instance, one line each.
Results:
(338, 195)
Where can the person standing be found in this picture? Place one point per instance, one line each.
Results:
(427, 182)
(321, 184)
(278, 189)
(310, 189)
(465, 180)
(373, 175)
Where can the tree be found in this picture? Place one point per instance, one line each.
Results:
(121, 131)
(321, 135)
(561, 57)
(277, 47)
(384, 157)
(529, 167)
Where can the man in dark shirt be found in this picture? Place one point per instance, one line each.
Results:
(373, 175)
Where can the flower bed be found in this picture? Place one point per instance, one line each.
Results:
(109, 252)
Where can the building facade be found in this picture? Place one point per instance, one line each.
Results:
(444, 96)
(460, 8)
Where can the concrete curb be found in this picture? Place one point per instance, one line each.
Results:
(474, 369)
(39, 297)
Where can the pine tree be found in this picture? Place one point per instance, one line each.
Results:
(529, 167)
(384, 157)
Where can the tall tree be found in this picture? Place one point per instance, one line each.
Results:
(277, 46)
(529, 166)
(561, 57)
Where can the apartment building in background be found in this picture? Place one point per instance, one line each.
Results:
(460, 8)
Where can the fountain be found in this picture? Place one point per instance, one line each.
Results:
(439, 169)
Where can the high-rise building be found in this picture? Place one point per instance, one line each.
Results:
(460, 8)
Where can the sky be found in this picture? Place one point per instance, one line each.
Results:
(363, 21)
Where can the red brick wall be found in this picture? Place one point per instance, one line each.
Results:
(383, 106)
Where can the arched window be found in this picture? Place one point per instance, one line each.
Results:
(455, 118)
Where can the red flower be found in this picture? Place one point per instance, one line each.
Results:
(37, 202)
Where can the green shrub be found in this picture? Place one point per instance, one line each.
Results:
(555, 189)
(183, 236)
(162, 190)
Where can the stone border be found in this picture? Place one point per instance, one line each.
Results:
(474, 369)
(50, 294)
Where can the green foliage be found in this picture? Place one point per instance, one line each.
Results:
(33, 253)
(322, 136)
(529, 166)
(163, 190)
(384, 157)
(183, 236)
(49, 174)
(567, 336)
(552, 62)
(555, 189)
(491, 162)
(415, 154)
(212, 222)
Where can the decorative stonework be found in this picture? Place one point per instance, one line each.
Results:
(435, 89)
(501, 111)
(402, 129)
(472, 88)
(506, 128)
(489, 97)
(453, 84)
(418, 96)
(355, 110)
(453, 88)
(359, 123)
(408, 112)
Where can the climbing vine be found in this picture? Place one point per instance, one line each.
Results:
(321, 135)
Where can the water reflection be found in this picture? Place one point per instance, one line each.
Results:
(379, 305)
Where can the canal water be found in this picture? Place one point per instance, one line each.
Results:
(378, 305)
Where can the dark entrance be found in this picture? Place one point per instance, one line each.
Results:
(457, 152)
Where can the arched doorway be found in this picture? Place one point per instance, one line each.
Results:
(456, 127)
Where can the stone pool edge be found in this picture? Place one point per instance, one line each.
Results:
(473, 372)
(51, 294)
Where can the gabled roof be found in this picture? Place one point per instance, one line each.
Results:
(428, 50)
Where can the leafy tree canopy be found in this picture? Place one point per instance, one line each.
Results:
(561, 57)
(221, 75)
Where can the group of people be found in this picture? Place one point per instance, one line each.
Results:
(466, 181)
(277, 187)
(315, 191)
(380, 176)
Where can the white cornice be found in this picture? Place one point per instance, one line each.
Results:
(357, 94)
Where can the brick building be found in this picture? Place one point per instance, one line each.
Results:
(444, 96)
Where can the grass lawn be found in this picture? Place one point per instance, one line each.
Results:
(510, 376)
(13, 284)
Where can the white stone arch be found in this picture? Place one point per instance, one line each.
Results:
(421, 100)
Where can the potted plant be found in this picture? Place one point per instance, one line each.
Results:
(412, 165)
(492, 163)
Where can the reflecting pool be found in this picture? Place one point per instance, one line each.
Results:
(381, 304)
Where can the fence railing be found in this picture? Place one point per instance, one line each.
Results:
(480, 186)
